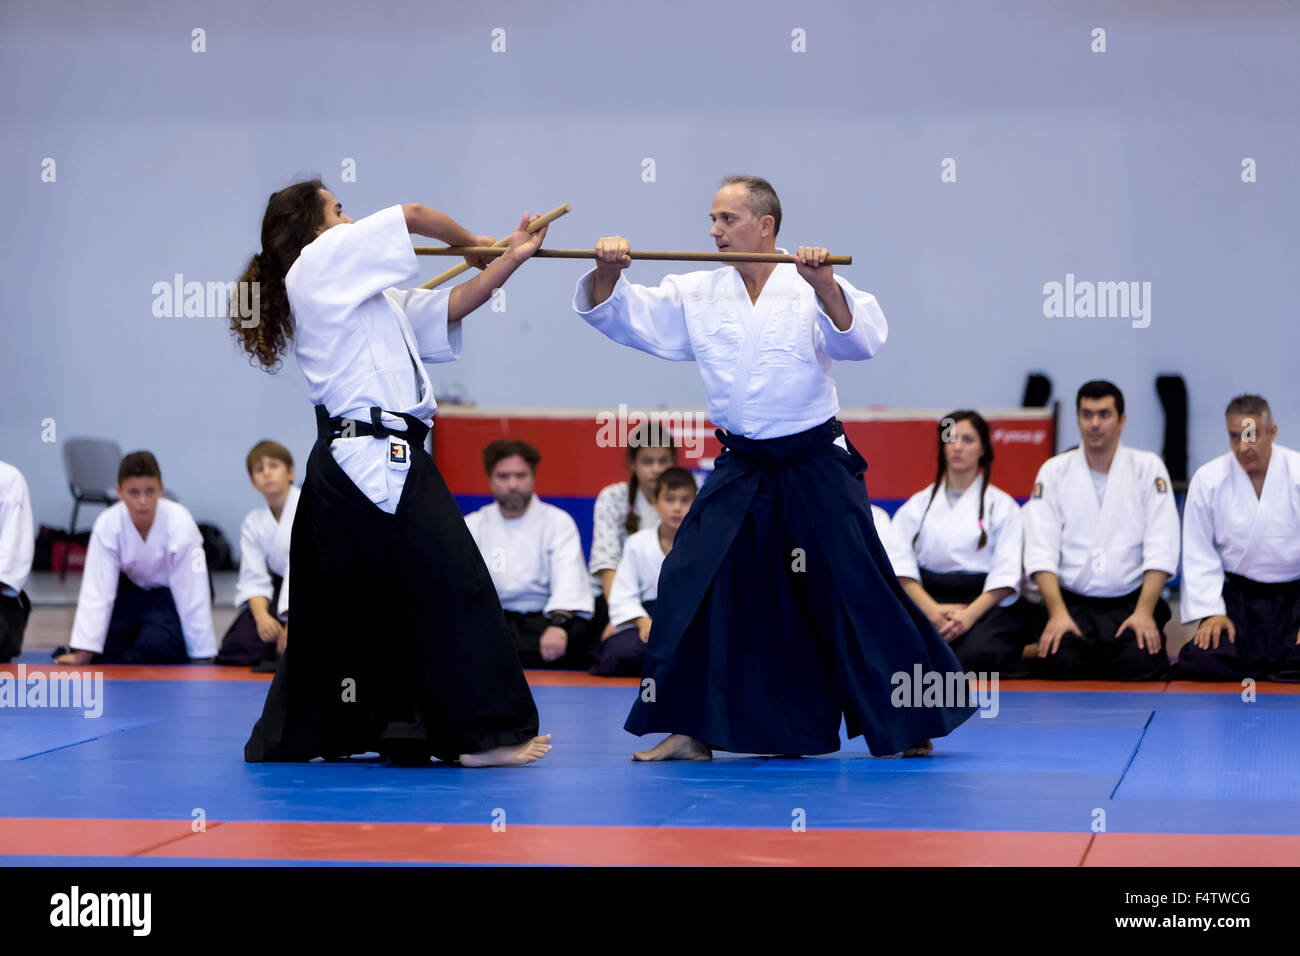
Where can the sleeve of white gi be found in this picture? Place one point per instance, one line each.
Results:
(348, 263)
(1160, 537)
(625, 593)
(254, 579)
(17, 542)
(652, 320)
(1043, 522)
(902, 529)
(98, 589)
(1202, 584)
(864, 336)
(570, 585)
(1007, 540)
(188, 579)
(426, 310)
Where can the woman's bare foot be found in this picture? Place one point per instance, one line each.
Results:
(923, 749)
(514, 755)
(676, 747)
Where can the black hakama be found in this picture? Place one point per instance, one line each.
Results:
(995, 642)
(14, 612)
(1100, 654)
(622, 654)
(398, 643)
(242, 645)
(1267, 619)
(778, 612)
(526, 630)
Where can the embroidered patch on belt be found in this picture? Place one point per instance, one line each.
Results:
(397, 452)
(1038, 490)
(1161, 486)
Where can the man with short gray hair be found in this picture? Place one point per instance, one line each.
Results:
(1241, 555)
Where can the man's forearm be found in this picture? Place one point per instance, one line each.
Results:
(1153, 582)
(602, 287)
(836, 306)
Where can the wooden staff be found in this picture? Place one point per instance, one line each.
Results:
(668, 256)
(500, 244)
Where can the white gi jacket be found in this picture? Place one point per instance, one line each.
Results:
(535, 560)
(766, 365)
(171, 557)
(356, 337)
(1102, 550)
(1226, 528)
(950, 537)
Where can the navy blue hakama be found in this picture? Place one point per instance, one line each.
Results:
(778, 612)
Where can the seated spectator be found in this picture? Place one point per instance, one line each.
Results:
(145, 595)
(959, 542)
(636, 582)
(625, 508)
(17, 545)
(534, 555)
(1101, 540)
(257, 635)
(1241, 555)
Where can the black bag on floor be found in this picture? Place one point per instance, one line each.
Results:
(216, 548)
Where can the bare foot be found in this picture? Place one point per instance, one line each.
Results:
(923, 749)
(676, 747)
(513, 755)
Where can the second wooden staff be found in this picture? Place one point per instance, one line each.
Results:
(499, 245)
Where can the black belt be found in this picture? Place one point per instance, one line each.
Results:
(327, 427)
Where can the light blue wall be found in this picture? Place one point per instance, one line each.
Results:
(1116, 166)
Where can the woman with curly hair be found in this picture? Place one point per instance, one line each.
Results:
(433, 672)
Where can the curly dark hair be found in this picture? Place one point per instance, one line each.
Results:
(294, 217)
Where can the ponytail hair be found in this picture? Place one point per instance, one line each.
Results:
(647, 435)
(294, 217)
(985, 461)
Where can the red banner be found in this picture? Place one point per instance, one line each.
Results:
(584, 450)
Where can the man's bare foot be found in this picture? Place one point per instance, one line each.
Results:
(75, 657)
(923, 749)
(513, 755)
(676, 747)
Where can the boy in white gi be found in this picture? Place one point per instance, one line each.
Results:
(1101, 540)
(636, 583)
(145, 596)
(17, 545)
(256, 634)
(534, 554)
(1241, 555)
(778, 614)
